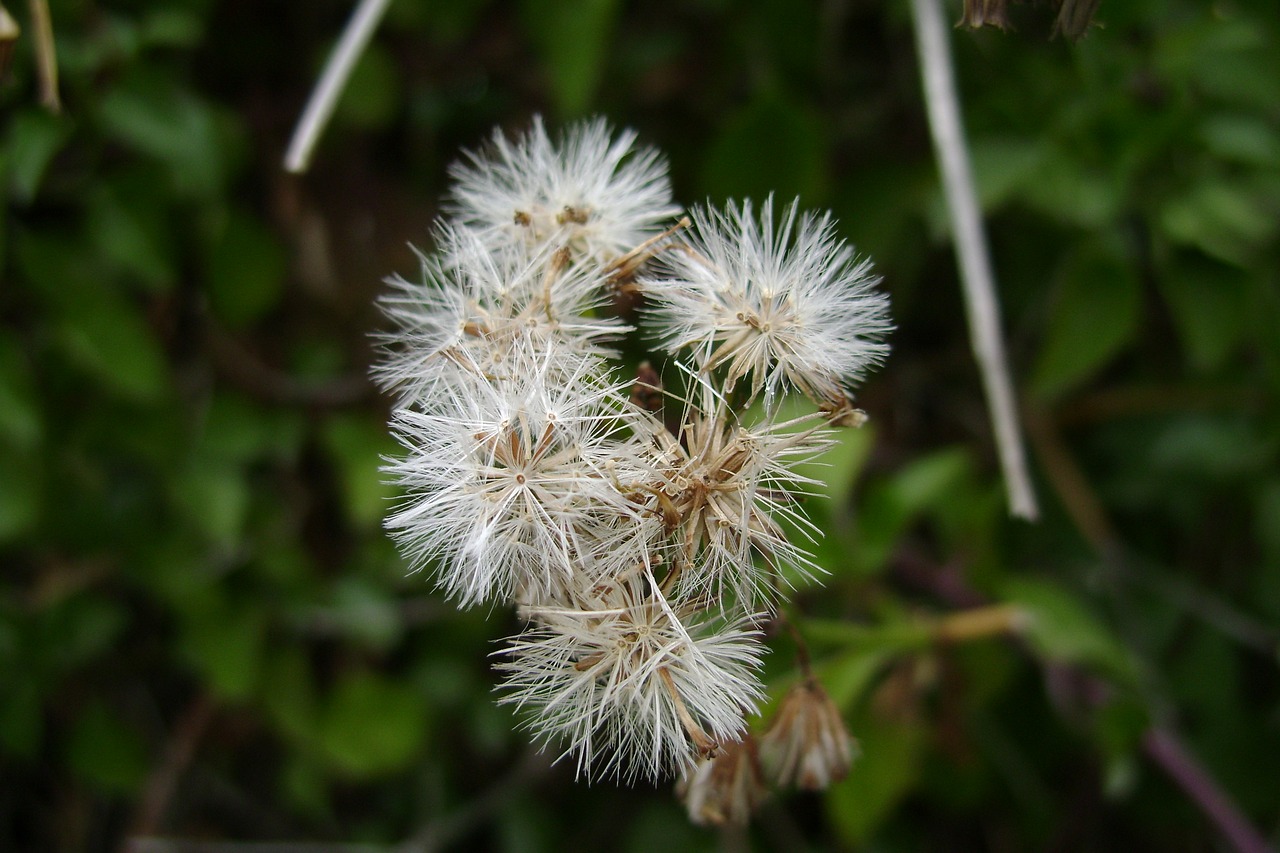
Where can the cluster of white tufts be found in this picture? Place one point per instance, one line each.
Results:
(644, 534)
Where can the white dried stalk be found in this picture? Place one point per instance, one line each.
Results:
(982, 306)
(337, 70)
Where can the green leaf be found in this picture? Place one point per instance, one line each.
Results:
(76, 630)
(1094, 314)
(888, 767)
(1243, 138)
(371, 725)
(107, 337)
(106, 752)
(227, 644)
(373, 94)
(1063, 630)
(289, 695)
(21, 496)
(848, 676)
(365, 612)
(171, 27)
(1072, 193)
(1001, 166)
(889, 506)
(237, 430)
(771, 147)
(1209, 303)
(358, 446)
(21, 719)
(34, 138)
(131, 227)
(157, 117)
(215, 498)
(97, 327)
(1226, 219)
(1203, 448)
(246, 272)
(573, 38)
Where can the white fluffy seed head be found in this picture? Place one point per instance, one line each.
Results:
(481, 310)
(777, 306)
(507, 482)
(729, 492)
(628, 688)
(597, 193)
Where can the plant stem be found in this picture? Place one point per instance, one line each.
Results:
(46, 56)
(981, 303)
(1165, 748)
(324, 97)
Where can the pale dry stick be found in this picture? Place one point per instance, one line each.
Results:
(9, 32)
(46, 55)
(983, 308)
(337, 70)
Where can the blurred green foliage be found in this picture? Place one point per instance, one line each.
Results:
(204, 633)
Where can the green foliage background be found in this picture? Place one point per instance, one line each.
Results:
(204, 633)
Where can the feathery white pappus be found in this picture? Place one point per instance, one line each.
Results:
(477, 308)
(785, 307)
(598, 194)
(640, 532)
(508, 481)
(635, 689)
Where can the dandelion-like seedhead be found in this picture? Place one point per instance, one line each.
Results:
(629, 686)
(593, 192)
(643, 535)
(780, 306)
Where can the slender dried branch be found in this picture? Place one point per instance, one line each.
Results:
(164, 780)
(440, 833)
(46, 55)
(981, 303)
(1166, 749)
(324, 98)
(9, 32)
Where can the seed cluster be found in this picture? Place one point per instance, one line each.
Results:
(642, 529)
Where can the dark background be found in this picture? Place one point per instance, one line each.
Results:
(205, 635)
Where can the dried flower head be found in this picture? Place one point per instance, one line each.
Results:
(807, 744)
(507, 480)
(596, 193)
(638, 551)
(634, 688)
(725, 493)
(725, 788)
(785, 307)
(479, 310)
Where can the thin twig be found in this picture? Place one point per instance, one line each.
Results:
(982, 306)
(1078, 497)
(46, 55)
(439, 834)
(193, 845)
(337, 70)
(1164, 747)
(160, 787)
(9, 32)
